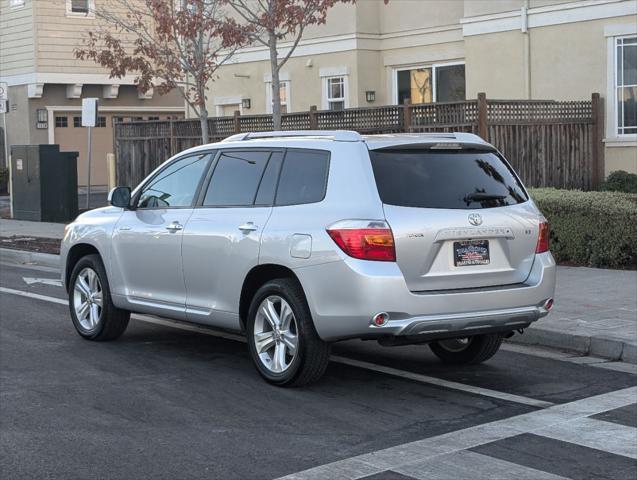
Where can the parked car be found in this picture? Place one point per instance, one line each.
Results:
(301, 239)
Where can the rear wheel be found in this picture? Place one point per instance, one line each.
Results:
(92, 311)
(283, 342)
(467, 350)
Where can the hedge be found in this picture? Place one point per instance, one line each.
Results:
(620, 181)
(593, 229)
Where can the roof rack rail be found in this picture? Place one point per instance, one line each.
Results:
(337, 135)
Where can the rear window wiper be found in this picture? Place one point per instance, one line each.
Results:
(481, 197)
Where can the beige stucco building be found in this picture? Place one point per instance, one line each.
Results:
(445, 50)
(47, 83)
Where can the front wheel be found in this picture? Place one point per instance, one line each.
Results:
(467, 350)
(92, 311)
(283, 342)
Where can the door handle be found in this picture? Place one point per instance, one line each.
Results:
(174, 227)
(248, 227)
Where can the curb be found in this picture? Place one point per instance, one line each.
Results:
(604, 347)
(24, 256)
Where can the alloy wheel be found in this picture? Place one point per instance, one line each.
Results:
(88, 298)
(275, 334)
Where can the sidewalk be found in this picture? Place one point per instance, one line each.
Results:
(21, 228)
(595, 310)
(595, 313)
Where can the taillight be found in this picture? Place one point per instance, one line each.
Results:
(367, 240)
(543, 238)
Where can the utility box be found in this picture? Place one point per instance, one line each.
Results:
(43, 183)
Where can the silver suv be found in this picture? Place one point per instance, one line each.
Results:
(300, 239)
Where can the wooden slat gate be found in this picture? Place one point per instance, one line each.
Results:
(549, 143)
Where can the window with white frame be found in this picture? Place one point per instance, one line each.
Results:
(431, 83)
(335, 90)
(284, 95)
(84, 8)
(626, 85)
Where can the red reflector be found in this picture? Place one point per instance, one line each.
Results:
(543, 238)
(366, 243)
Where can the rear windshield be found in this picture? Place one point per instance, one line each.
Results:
(456, 179)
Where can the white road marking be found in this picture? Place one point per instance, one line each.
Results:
(36, 296)
(407, 456)
(589, 432)
(485, 392)
(467, 464)
(54, 282)
(337, 359)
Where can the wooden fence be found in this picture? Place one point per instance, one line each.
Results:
(549, 143)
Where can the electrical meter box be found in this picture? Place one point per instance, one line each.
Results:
(43, 183)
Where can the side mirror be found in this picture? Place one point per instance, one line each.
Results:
(119, 197)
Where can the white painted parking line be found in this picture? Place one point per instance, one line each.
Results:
(404, 457)
(589, 432)
(466, 464)
(337, 359)
(485, 392)
(53, 282)
(36, 296)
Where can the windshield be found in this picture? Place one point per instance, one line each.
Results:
(457, 179)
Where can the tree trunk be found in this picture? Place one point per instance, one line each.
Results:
(276, 83)
(203, 118)
(203, 111)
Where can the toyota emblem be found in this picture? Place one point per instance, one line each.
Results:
(475, 219)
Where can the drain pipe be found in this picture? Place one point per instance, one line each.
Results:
(524, 27)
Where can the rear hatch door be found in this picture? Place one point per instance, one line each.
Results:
(460, 216)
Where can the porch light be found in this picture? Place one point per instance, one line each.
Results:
(370, 96)
(246, 103)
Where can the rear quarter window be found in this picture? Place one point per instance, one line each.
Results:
(454, 179)
(303, 177)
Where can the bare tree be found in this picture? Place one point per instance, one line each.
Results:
(167, 44)
(267, 22)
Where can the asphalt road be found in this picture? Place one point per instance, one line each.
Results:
(168, 401)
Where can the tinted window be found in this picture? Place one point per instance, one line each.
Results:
(267, 188)
(236, 178)
(453, 179)
(303, 177)
(175, 185)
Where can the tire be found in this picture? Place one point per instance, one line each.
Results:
(101, 322)
(307, 363)
(478, 349)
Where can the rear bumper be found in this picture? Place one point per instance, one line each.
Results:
(344, 296)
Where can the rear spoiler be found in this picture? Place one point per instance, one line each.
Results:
(482, 147)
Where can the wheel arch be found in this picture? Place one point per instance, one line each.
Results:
(76, 252)
(255, 278)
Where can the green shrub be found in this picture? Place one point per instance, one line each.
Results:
(593, 229)
(620, 181)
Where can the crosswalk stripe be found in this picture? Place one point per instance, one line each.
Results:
(435, 447)
(467, 464)
(588, 432)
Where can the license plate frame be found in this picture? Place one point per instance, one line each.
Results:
(471, 253)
